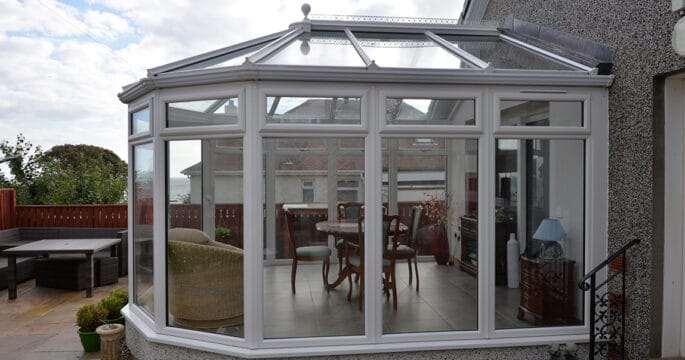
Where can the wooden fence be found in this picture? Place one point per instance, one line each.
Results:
(7, 206)
(91, 216)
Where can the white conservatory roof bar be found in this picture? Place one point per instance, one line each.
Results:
(278, 187)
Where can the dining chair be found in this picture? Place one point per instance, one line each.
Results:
(409, 251)
(350, 210)
(355, 263)
(305, 253)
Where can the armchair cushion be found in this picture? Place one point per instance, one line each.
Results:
(313, 251)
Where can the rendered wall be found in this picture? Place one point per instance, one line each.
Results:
(640, 32)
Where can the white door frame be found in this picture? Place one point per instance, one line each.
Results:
(673, 324)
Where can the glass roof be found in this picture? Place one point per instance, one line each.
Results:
(378, 46)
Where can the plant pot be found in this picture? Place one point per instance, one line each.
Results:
(440, 244)
(110, 335)
(90, 340)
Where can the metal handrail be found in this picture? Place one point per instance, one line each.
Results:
(607, 261)
(605, 320)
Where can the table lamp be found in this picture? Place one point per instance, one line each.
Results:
(550, 230)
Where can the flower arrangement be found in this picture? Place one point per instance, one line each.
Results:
(437, 210)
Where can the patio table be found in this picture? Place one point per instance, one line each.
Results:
(88, 247)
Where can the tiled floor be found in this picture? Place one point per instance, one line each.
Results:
(41, 322)
(446, 301)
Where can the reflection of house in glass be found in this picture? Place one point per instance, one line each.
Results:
(387, 150)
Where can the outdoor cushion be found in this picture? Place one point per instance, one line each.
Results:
(189, 235)
(313, 251)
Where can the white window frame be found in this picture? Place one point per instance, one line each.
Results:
(595, 132)
(140, 104)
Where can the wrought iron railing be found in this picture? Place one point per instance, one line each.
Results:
(608, 305)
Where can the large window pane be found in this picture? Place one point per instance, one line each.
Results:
(431, 183)
(205, 237)
(203, 112)
(540, 225)
(541, 113)
(430, 111)
(142, 226)
(305, 180)
(313, 110)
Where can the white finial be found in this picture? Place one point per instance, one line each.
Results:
(306, 9)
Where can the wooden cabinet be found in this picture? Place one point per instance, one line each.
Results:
(547, 290)
(468, 259)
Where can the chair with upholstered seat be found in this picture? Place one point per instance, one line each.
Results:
(305, 253)
(408, 251)
(350, 210)
(355, 263)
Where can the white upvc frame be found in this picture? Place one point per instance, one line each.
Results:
(140, 104)
(212, 92)
(476, 93)
(560, 95)
(316, 91)
(373, 129)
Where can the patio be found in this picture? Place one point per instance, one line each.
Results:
(40, 324)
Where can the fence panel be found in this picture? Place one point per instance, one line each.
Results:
(93, 216)
(7, 208)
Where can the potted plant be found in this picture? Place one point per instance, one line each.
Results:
(88, 318)
(114, 302)
(438, 213)
(222, 234)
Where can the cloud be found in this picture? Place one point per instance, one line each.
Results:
(62, 65)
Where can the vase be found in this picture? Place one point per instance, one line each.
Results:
(439, 244)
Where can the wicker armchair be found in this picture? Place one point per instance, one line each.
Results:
(205, 280)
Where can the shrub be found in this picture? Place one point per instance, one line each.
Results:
(222, 232)
(90, 316)
(114, 302)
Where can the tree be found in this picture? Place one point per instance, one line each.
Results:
(82, 174)
(25, 168)
(66, 174)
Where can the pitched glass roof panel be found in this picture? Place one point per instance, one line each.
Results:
(503, 55)
(234, 58)
(408, 51)
(322, 48)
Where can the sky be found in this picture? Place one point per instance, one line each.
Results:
(62, 63)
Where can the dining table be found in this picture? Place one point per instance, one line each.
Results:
(346, 229)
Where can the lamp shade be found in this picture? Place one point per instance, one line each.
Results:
(550, 230)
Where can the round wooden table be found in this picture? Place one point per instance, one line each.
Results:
(346, 230)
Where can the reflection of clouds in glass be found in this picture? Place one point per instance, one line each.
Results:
(410, 53)
(419, 104)
(143, 159)
(184, 154)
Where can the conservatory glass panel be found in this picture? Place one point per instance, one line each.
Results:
(434, 192)
(234, 58)
(318, 49)
(203, 112)
(333, 175)
(503, 55)
(401, 111)
(313, 110)
(140, 121)
(142, 226)
(539, 211)
(409, 51)
(541, 113)
(204, 242)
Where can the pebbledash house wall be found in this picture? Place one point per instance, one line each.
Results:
(640, 31)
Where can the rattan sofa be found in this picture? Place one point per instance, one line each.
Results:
(205, 280)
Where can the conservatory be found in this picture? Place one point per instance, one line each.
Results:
(367, 184)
